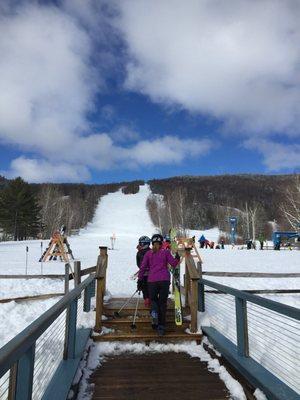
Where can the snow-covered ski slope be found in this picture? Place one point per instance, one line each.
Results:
(125, 216)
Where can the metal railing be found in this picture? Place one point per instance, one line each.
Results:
(30, 363)
(260, 337)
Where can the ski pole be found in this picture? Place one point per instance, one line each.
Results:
(133, 325)
(117, 313)
(41, 258)
(26, 266)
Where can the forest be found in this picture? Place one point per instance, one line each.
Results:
(261, 203)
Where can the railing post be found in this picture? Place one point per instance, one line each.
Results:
(77, 273)
(67, 272)
(23, 376)
(201, 298)
(100, 276)
(87, 298)
(193, 305)
(187, 283)
(242, 327)
(70, 330)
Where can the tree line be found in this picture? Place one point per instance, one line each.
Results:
(262, 203)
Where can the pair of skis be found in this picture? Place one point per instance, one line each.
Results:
(176, 279)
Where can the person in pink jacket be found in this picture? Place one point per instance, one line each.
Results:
(156, 262)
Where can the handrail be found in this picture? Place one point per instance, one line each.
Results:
(16, 347)
(284, 309)
(192, 276)
(269, 379)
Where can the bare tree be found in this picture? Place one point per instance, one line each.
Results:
(291, 206)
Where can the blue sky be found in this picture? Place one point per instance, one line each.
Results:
(105, 91)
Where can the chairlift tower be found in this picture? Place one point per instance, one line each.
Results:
(233, 225)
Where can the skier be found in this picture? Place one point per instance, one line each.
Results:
(143, 247)
(166, 243)
(202, 241)
(261, 239)
(156, 262)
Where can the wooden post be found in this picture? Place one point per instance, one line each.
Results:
(201, 300)
(87, 298)
(199, 268)
(77, 275)
(101, 285)
(67, 271)
(242, 327)
(99, 304)
(187, 279)
(194, 305)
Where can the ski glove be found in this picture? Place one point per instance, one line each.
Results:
(176, 273)
(139, 285)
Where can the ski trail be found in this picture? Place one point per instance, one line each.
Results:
(127, 217)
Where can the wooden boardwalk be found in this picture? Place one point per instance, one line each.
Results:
(156, 376)
(122, 330)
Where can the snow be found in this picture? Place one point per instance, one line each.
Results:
(126, 216)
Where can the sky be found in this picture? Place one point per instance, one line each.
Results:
(107, 91)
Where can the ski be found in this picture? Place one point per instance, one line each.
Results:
(177, 296)
(176, 281)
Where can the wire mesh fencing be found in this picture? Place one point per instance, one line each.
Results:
(267, 331)
(221, 310)
(274, 342)
(4, 386)
(48, 355)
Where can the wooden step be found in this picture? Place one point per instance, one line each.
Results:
(147, 334)
(169, 337)
(140, 322)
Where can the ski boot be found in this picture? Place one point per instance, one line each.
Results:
(161, 330)
(154, 317)
(147, 303)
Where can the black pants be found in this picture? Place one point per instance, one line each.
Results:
(145, 290)
(159, 292)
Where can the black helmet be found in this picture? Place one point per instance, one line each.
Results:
(157, 238)
(144, 240)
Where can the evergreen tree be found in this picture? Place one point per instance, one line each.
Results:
(19, 211)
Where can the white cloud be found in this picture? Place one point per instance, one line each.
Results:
(34, 170)
(46, 82)
(277, 156)
(48, 86)
(124, 133)
(236, 60)
(167, 150)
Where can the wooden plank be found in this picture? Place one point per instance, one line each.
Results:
(151, 376)
(145, 333)
(88, 271)
(30, 298)
(51, 276)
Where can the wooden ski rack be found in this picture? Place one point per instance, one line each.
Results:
(58, 247)
(187, 244)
